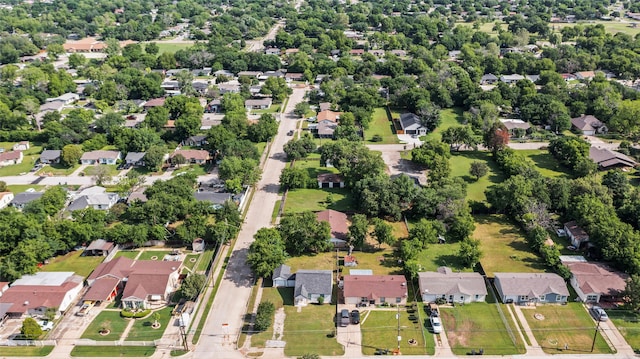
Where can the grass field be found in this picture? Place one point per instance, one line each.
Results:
(449, 117)
(438, 255)
(546, 164)
(609, 26)
(504, 247)
(311, 331)
(190, 261)
(112, 169)
(73, 262)
(128, 254)
(14, 170)
(567, 324)
(57, 169)
(18, 188)
(197, 170)
(461, 162)
(205, 259)
(146, 255)
(26, 351)
(279, 297)
(112, 351)
(380, 262)
(628, 323)
(380, 330)
(478, 325)
(381, 125)
(171, 47)
(301, 200)
(143, 331)
(110, 319)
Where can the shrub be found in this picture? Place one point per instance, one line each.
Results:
(376, 138)
(127, 313)
(264, 316)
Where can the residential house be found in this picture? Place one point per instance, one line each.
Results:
(170, 86)
(200, 87)
(11, 158)
(20, 200)
(338, 222)
(377, 52)
(100, 157)
(258, 104)
(291, 51)
(568, 77)
(214, 106)
(50, 156)
(5, 199)
(209, 120)
(267, 74)
(272, 51)
(282, 277)
(608, 159)
(195, 141)
(254, 74)
(150, 284)
(330, 180)
(595, 282)
(411, 124)
(375, 289)
(51, 106)
(156, 102)
(324, 129)
(454, 287)
(135, 158)
(170, 125)
(137, 195)
(589, 125)
(228, 88)
(356, 52)
(96, 197)
(514, 126)
(174, 72)
(294, 76)
(199, 157)
(21, 146)
(531, 288)
(399, 53)
(577, 235)
(585, 75)
(328, 115)
(488, 79)
(311, 285)
(324, 106)
(217, 199)
(99, 247)
(67, 98)
(511, 79)
(532, 78)
(32, 295)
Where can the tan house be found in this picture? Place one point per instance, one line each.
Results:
(193, 156)
(375, 289)
(11, 158)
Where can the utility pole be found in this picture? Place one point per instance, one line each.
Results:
(595, 334)
(399, 337)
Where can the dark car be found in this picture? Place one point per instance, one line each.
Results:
(355, 316)
(290, 133)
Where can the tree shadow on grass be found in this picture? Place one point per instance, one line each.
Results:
(450, 260)
(546, 161)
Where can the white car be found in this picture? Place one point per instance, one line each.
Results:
(436, 324)
(45, 324)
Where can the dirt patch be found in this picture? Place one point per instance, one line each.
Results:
(278, 324)
(457, 330)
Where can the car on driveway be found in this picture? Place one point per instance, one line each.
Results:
(290, 133)
(45, 324)
(599, 313)
(355, 316)
(436, 324)
(344, 318)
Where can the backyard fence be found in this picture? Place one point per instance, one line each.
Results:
(27, 343)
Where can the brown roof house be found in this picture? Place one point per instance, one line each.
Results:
(531, 288)
(577, 235)
(193, 156)
(606, 158)
(589, 125)
(375, 289)
(330, 180)
(106, 281)
(99, 247)
(514, 126)
(339, 226)
(11, 158)
(452, 286)
(595, 282)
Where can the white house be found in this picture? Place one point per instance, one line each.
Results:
(11, 158)
(311, 285)
(412, 125)
(577, 235)
(96, 197)
(5, 199)
(21, 146)
(282, 277)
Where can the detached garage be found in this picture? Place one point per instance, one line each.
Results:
(330, 180)
(282, 277)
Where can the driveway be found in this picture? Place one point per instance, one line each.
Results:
(350, 336)
(396, 164)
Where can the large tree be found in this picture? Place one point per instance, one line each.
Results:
(267, 252)
(71, 155)
(435, 156)
(303, 233)
(358, 230)
(192, 285)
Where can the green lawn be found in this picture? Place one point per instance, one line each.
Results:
(478, 325)
(380, 330)
(438, 255)
(107, 318)
(567, 324)
(381, 262)
(279, 297)
(301, 200)
(112, 351)
(450, 117)
(460, 163)
(504, 247)
(311, 331)
(57, 169)
(73, 262)
(14, 170)
(128, 254)
(275, 108)
(19, 188)
(190, 261)
(205, 259)
(312, 165)
(26, 351)
(546, 164)
(146, 255)
(198, 170)
(112, 169)
(628, 323)
(171, 47)
(381, 125)
(142, 330)
(609, 26)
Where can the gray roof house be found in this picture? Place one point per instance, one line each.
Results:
(452, 286)
(531, 288)
(135, 158)
(50, 156)
(312, 285)
(282, 277)
(96, 197)
(607, 159)
(488, 79)
(217, 199)
(21, 199)
(589, 125)
(411, 124)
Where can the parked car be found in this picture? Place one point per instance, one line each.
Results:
(355, 316)
(599, 313)
(290, 133)
(436, 324)
(45, 324)
(344, 318)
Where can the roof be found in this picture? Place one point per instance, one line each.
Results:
(511, 124)
(375, 286)
(43, 279)
(598, 278)
(117, 268)
(576, 231)
(100, 244)
(337, 221)
(50, 155)
(326, 128)
(510, 78)
(531, 284)
(34, 291)
(445, 281)
(213, 197)
(197, 138)
(149, 277)
(10, 156)
(26, 197)
(328, 115)
(97, 155)
(604, 158)
(155, 102)
(94, 195)
(137, 196)
(586, 123)
(192, 154)
(313, 282)
(52, 106)
(410, 120)
(258, 101)
(283, 271)
(329, 177)
(489, 77)
(323, 106)
(135, 156)
(101, 289)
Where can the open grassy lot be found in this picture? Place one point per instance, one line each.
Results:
(18, 188)
(312, 165)
(171, 47)
(143, 331)
(26, 351)
(380, 262)
(57, 169)
(198, 170)
(504, 247)
(112, 169)
(279, 297)
(112, 351)
(567, 324)
(147, 255)
(381, 125)
(205, 259)
(546, 164)
(128, 254)
(461, 162)
(301, 200)
(311, 331)
(609, 26)
(478, 325)
(73, 262)
(449, 117)
(110, 319)
(628, 323)
(438, 255)
(380, 330)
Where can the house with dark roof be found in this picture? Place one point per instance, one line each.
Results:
(330, 180)
(577, 235)
(608, 159)
(595, 282)
(375, 289)
(589, 125)
(135, 158)
(339, 224)
(50, 156)
(282, 277)
(514, 125)
(511, 79)
(324, 129)
(20, 200)
(488, 79)
(258, 104)
(156, 102)
(195, 141)
(411, 124)
(96, 197)
(531, 288)
(311, 285)
(454, 287)
(217, 199)
(99, 247)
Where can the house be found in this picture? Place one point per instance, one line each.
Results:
(595, 282)
(217, 199)
(412, 125)
(399, 53)
(585, 75)
(135, 158)
(511, 79)
(96, 197)
(531, 288)
(99, 247)
(514, 126)
(200, 87)
(311, 286)
(170, 125)
(198, 245)
(375, 289)
(272, 51)
(294, 76)
(156, 102)
(50, 156)
(356, 52)
(328, 115)
(214, 106)
(193, 156)
(254, 74)
(11, 158)
(338, 222)
(228, 88)
(454, 287)
(377, 52)
(607, 159)
(324, 129)
(67, 98)
(51, 106)
(100, 157)
(568, 77)
(5, 199)
(488, 79)
(330, 180)
(589, 125)
(258, 104)
(577, 235)
(532, 78)
(32, 295)
(21, 146)
(267, 74)
(324, 106)
(209, 120)
(138, 195)
(195, 141)
(282, 277)
(20, 200)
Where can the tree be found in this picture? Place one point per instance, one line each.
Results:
(383, 232)
(458, 136)
(426, 232)
(71, 155)
(151, 48)
(358, 230)
(470, 252)
(244, 169)
(192, 285)
(496, 137)
(30, 329)
(154, 157)
(478, 169)
(627, 118)
(264, 130)
(178, 160)
(100, 175)
(299, 148)
(301, 109)
(264, 316)
(295, 177)
(303, 233)
(3, 186)
(267, 252)
(310, 356)
(632, 292)
(435, 156)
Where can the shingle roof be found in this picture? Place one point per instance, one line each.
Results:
(26, 197)
(410, 120)
(213, 197)
(604, 158)
(598, 278)
(100, 244)
(135, 156)
(50, 155)
(445, 281)
(96, 155)
(586, 122)
(337, 221)
(283, 271)
(30, 296)
(375, 286)
(576, 231)
(313, 282)
(192, 154)
(531, 284)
